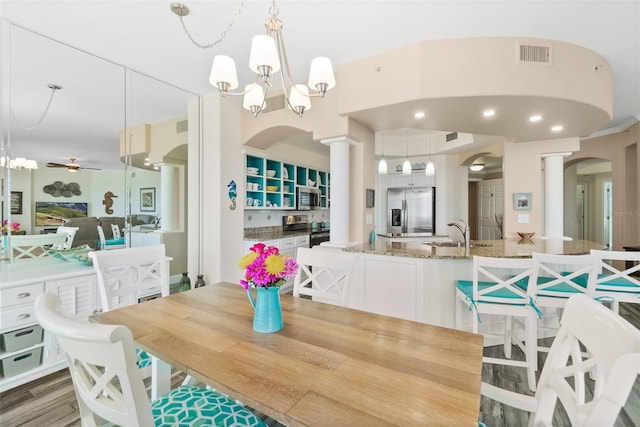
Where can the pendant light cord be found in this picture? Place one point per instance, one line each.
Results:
(234, 19)
(54, 87)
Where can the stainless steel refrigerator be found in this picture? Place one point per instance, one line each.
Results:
(411, 210)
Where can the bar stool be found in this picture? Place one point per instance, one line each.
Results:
(614, 284)
(493, 291)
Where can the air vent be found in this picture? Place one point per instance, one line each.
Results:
(182, 126)
(275, 103)
(451, 136)
(534, 54)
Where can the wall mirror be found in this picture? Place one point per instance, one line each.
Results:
(110, 130)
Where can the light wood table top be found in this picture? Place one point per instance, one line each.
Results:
(328, 366)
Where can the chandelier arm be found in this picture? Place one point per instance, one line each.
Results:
(54, 88)
(223, 34)
(285, 65)
(255, 82)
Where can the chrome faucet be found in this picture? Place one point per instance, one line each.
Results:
(464, 230)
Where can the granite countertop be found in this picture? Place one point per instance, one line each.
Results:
(510, 248)
(275, 232)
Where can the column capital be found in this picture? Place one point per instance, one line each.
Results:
(563, 154)
(345, 139)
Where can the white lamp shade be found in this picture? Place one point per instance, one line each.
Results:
(254, 97)
(224, 70)
(321, 72)
(430, 169)
(263, 52)
(406, 167)
(300, 97)
(382, 167)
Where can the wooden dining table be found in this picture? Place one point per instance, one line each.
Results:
(328, 366)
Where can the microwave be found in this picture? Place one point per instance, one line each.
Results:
(307, 198)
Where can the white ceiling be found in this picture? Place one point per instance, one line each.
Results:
(147, 37)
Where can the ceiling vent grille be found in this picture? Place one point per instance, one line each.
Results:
(274, 103)
(534, 54)
(182, 126)
(451, 136)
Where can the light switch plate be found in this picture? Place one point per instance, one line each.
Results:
(523, 219)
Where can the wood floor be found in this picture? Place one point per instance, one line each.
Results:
(51, 401)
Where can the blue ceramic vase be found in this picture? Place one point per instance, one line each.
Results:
(267, 316)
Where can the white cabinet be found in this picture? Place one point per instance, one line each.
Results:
(413, 180)
(26, 354)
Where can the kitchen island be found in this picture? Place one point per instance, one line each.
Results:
(417, 281)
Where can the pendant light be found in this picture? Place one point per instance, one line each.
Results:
(430, 169)
(406, 166)
(382, 165)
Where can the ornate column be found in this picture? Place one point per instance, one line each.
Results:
(339, 208)
(554, 195)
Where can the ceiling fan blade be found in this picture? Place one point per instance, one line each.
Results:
(56, 165)
(93, 169)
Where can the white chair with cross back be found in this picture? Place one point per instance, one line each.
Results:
(70, 234)
(493, 291)
(614, 283)
(612, 358)
(102, 363)
(107, 244)
(324, 275)
(559, 277)
(126, 275)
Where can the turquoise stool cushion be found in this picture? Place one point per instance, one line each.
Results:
(624, 284)
(194, 406)
(466, 287)
(110, 242)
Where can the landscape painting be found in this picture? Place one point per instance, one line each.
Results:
(56, 213)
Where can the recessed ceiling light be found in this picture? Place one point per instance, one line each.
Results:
(419, 115)
(535, 118)
(556, 128)
(489, 113)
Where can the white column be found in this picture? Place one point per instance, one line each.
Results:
(171, 200)
(554, 195)
(339, 208)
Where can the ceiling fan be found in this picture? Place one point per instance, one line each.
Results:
(72, 166)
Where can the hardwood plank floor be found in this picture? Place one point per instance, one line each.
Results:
(51, 401)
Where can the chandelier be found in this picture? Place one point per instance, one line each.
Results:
(267, 57)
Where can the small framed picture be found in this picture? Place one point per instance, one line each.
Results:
(16, 202)
(522, 201)
(371, 198)
(148, 199)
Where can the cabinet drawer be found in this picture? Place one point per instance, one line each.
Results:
(287, 243)
(22, 338)
(21, 295)
(16, 317)
(19, 363)
(302, 241)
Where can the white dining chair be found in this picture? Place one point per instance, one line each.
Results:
(107, 244)
(324, 275)
(126, 275)
(70, 233)
(493, 291)
(616, 284)
(613, 359)
(115, 231)
(102, 363)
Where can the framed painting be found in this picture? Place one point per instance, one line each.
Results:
(522, 201)
(16, 202)
(148, 199)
